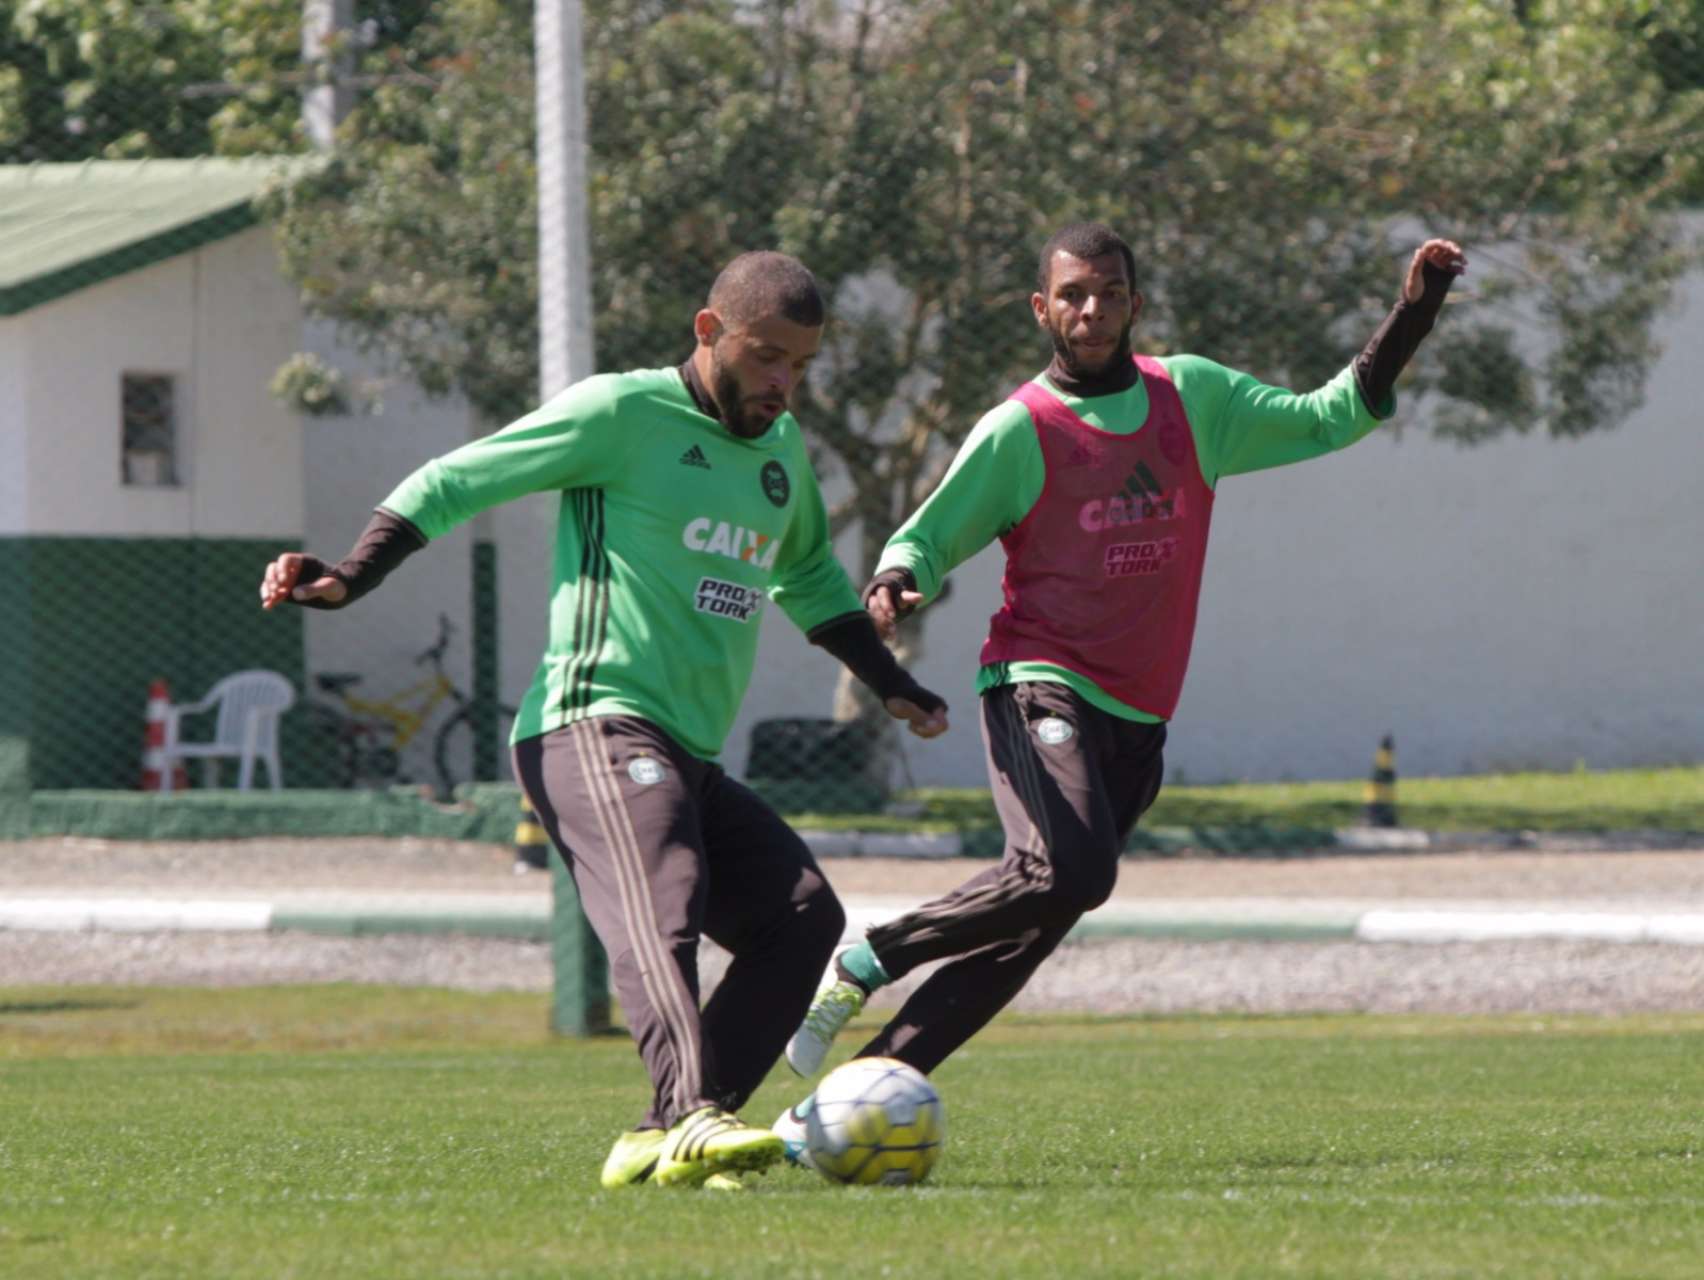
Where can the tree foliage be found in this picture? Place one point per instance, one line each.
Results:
(134, 79)
(417, 234)
(1272, 161)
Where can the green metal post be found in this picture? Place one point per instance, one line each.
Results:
(485, 727)
(579, 1003)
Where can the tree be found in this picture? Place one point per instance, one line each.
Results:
(127, 79)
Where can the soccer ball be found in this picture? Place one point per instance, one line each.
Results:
(875, 1120)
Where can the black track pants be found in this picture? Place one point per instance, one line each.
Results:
(1069, 782)
(665, 847)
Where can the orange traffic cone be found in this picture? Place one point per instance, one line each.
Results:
(154, 774)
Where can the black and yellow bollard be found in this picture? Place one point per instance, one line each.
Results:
(1380, 794)
(532, 846)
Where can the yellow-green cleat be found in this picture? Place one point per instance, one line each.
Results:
(709, 1142)
(633, 1158)
(837, 1003)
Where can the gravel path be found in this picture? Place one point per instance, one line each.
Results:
(237, 867)
(1125, 976)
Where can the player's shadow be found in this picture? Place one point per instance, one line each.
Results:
(65, 1006)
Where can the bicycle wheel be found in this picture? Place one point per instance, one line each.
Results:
(453, 751)
(325, 747)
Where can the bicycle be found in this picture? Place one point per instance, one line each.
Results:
(368, 735)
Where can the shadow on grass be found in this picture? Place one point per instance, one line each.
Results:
(92, 1005)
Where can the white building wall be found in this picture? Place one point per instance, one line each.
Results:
(14, 476)
(220, 321)
(247, 445)
(1527, 603)
(351, 463)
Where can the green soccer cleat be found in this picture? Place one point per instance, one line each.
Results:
(837, 1003)
(709, 1142)
(633, 1158)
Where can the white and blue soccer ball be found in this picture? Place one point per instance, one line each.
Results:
(875, 1121)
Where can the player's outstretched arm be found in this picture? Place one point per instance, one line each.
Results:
(296, 577)
(853, 640)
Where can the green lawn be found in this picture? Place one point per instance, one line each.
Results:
(368, 1132)
(1613, 800)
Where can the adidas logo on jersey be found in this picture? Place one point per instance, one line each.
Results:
(694, 457)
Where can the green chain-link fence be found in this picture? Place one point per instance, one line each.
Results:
(227, 332)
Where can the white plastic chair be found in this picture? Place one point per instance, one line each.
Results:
(249, 704)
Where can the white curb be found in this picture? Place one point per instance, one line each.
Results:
(1490, 926)
(133, 915)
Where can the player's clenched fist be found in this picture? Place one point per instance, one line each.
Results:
(282, 581)
(1444, 255)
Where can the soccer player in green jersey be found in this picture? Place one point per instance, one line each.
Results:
(1098, 477)
(687, 503)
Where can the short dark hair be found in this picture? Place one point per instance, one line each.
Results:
(766, 283)
(1083, 240)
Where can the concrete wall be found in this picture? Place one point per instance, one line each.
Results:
(1527, 603)
(220, 320)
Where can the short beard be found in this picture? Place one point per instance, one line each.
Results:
(1120, 355)
(725, 391)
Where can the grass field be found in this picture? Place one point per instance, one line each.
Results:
(373, 1132)
(1582, 800)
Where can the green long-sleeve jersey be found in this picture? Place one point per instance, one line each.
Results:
(671, 534)
(1239, 424)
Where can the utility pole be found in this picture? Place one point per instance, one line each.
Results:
(580, 1004)
(564, 252)
(328, 61)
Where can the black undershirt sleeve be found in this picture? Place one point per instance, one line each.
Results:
(852, 638)
(385, 543)
(1398, 337)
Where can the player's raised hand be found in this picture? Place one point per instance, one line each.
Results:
(1446, 255)
(281, 582)
(925, 724)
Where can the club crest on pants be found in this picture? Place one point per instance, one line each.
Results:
(645, 771)
(1053, 730)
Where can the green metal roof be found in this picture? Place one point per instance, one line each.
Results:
(64, 227)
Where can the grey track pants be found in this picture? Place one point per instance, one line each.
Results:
(664, 847)
(1069, 783)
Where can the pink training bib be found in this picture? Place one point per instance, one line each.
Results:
(1104, 574)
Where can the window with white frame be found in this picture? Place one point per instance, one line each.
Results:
(149, 455)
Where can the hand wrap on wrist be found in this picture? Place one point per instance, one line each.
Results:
(386, 542)
(852, 638)
(1398, 336)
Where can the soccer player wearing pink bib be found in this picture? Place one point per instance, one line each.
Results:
(1098, 477)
